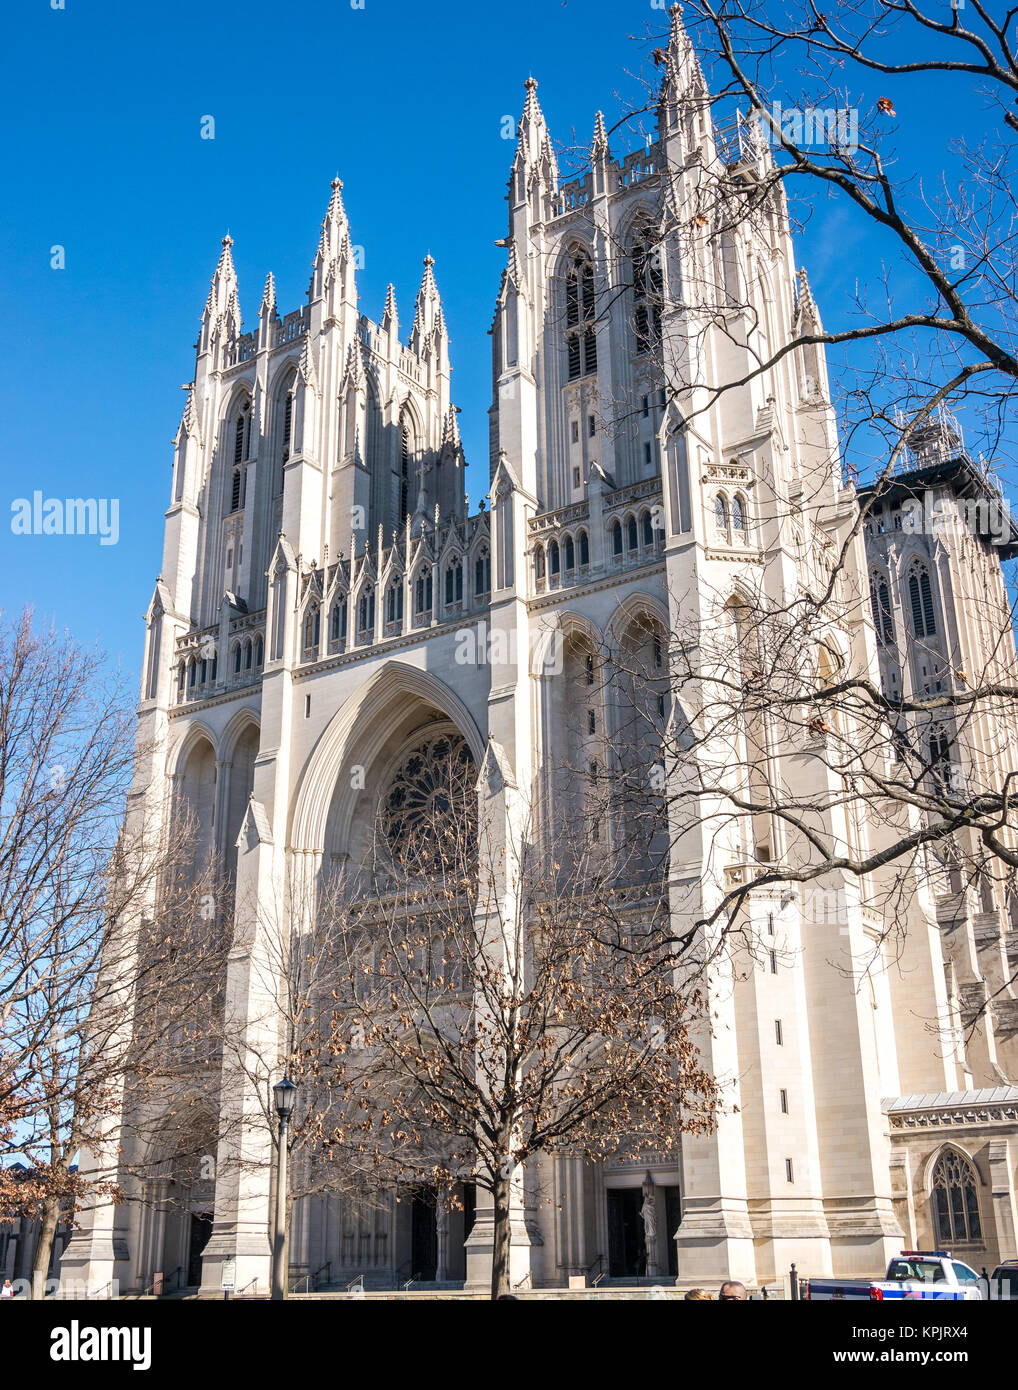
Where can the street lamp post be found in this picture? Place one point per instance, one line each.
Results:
(284, 1094)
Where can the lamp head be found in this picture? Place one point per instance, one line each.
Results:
(284, 1093)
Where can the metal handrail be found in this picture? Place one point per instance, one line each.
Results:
(359, 1279)
(326, 1268)
(596, 1264)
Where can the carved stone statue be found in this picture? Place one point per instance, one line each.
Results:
(649, 1214)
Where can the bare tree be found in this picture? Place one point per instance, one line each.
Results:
(816, 738)
(101, 991)
(505, 999)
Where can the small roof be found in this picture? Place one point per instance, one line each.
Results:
(946, 1100)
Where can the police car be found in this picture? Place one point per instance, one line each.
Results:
(912, 1274)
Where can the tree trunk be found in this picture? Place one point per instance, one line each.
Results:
(501, 1240)
(44, 1246)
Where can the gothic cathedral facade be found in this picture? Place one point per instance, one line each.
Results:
(319, 571)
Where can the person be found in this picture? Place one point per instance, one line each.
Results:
(7, 1291)
(698, 1296)
(732, 1292)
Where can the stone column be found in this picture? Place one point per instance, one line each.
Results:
(1004, 1197)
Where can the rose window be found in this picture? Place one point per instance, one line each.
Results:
(428, 810)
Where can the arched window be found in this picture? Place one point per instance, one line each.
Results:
(366, 611)
(648, 530)
(312, 624)
(880, 606)
(237, 656)
(454, 582)
(394, 602)
(287, 432)
(955, 1200)
(739, 517)
(553, 558)
(570, 553)
(482, 573)
(539, 561)
(721, 513)
(584, 549)
(423, 592)
(921, 599)
(940, 757)
(247, 656)
(647, 285)
(581, 339)
(259, 652)
(338, 628)
(240, 441)
(181, 674)
(632, 534)
(617, 538)
(192, 674)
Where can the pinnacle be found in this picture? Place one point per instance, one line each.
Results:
(389, 315)
(599, 145)
(334, 224)
(225, 264)
(450, 428)
(269, 293)
(531, 107)
(806, 305)
(428, 290)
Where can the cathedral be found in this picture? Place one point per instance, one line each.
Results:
(306, 636)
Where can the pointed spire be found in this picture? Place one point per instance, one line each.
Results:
(682, 67)
(532, 128)
(451, 429)
(353, 373)
(599, 146)
(268, 304)
(549, 161)
(427, 310)
(428, 288)
(224, 272)
(390, 318)
(189, 420)
(224, 279)
(334, 257)
(807, 315)
(221, 316)
(334, 224)
(306, 370)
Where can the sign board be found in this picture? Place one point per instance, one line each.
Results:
(228, 1277)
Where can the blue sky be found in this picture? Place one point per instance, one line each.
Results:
(102, 109)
